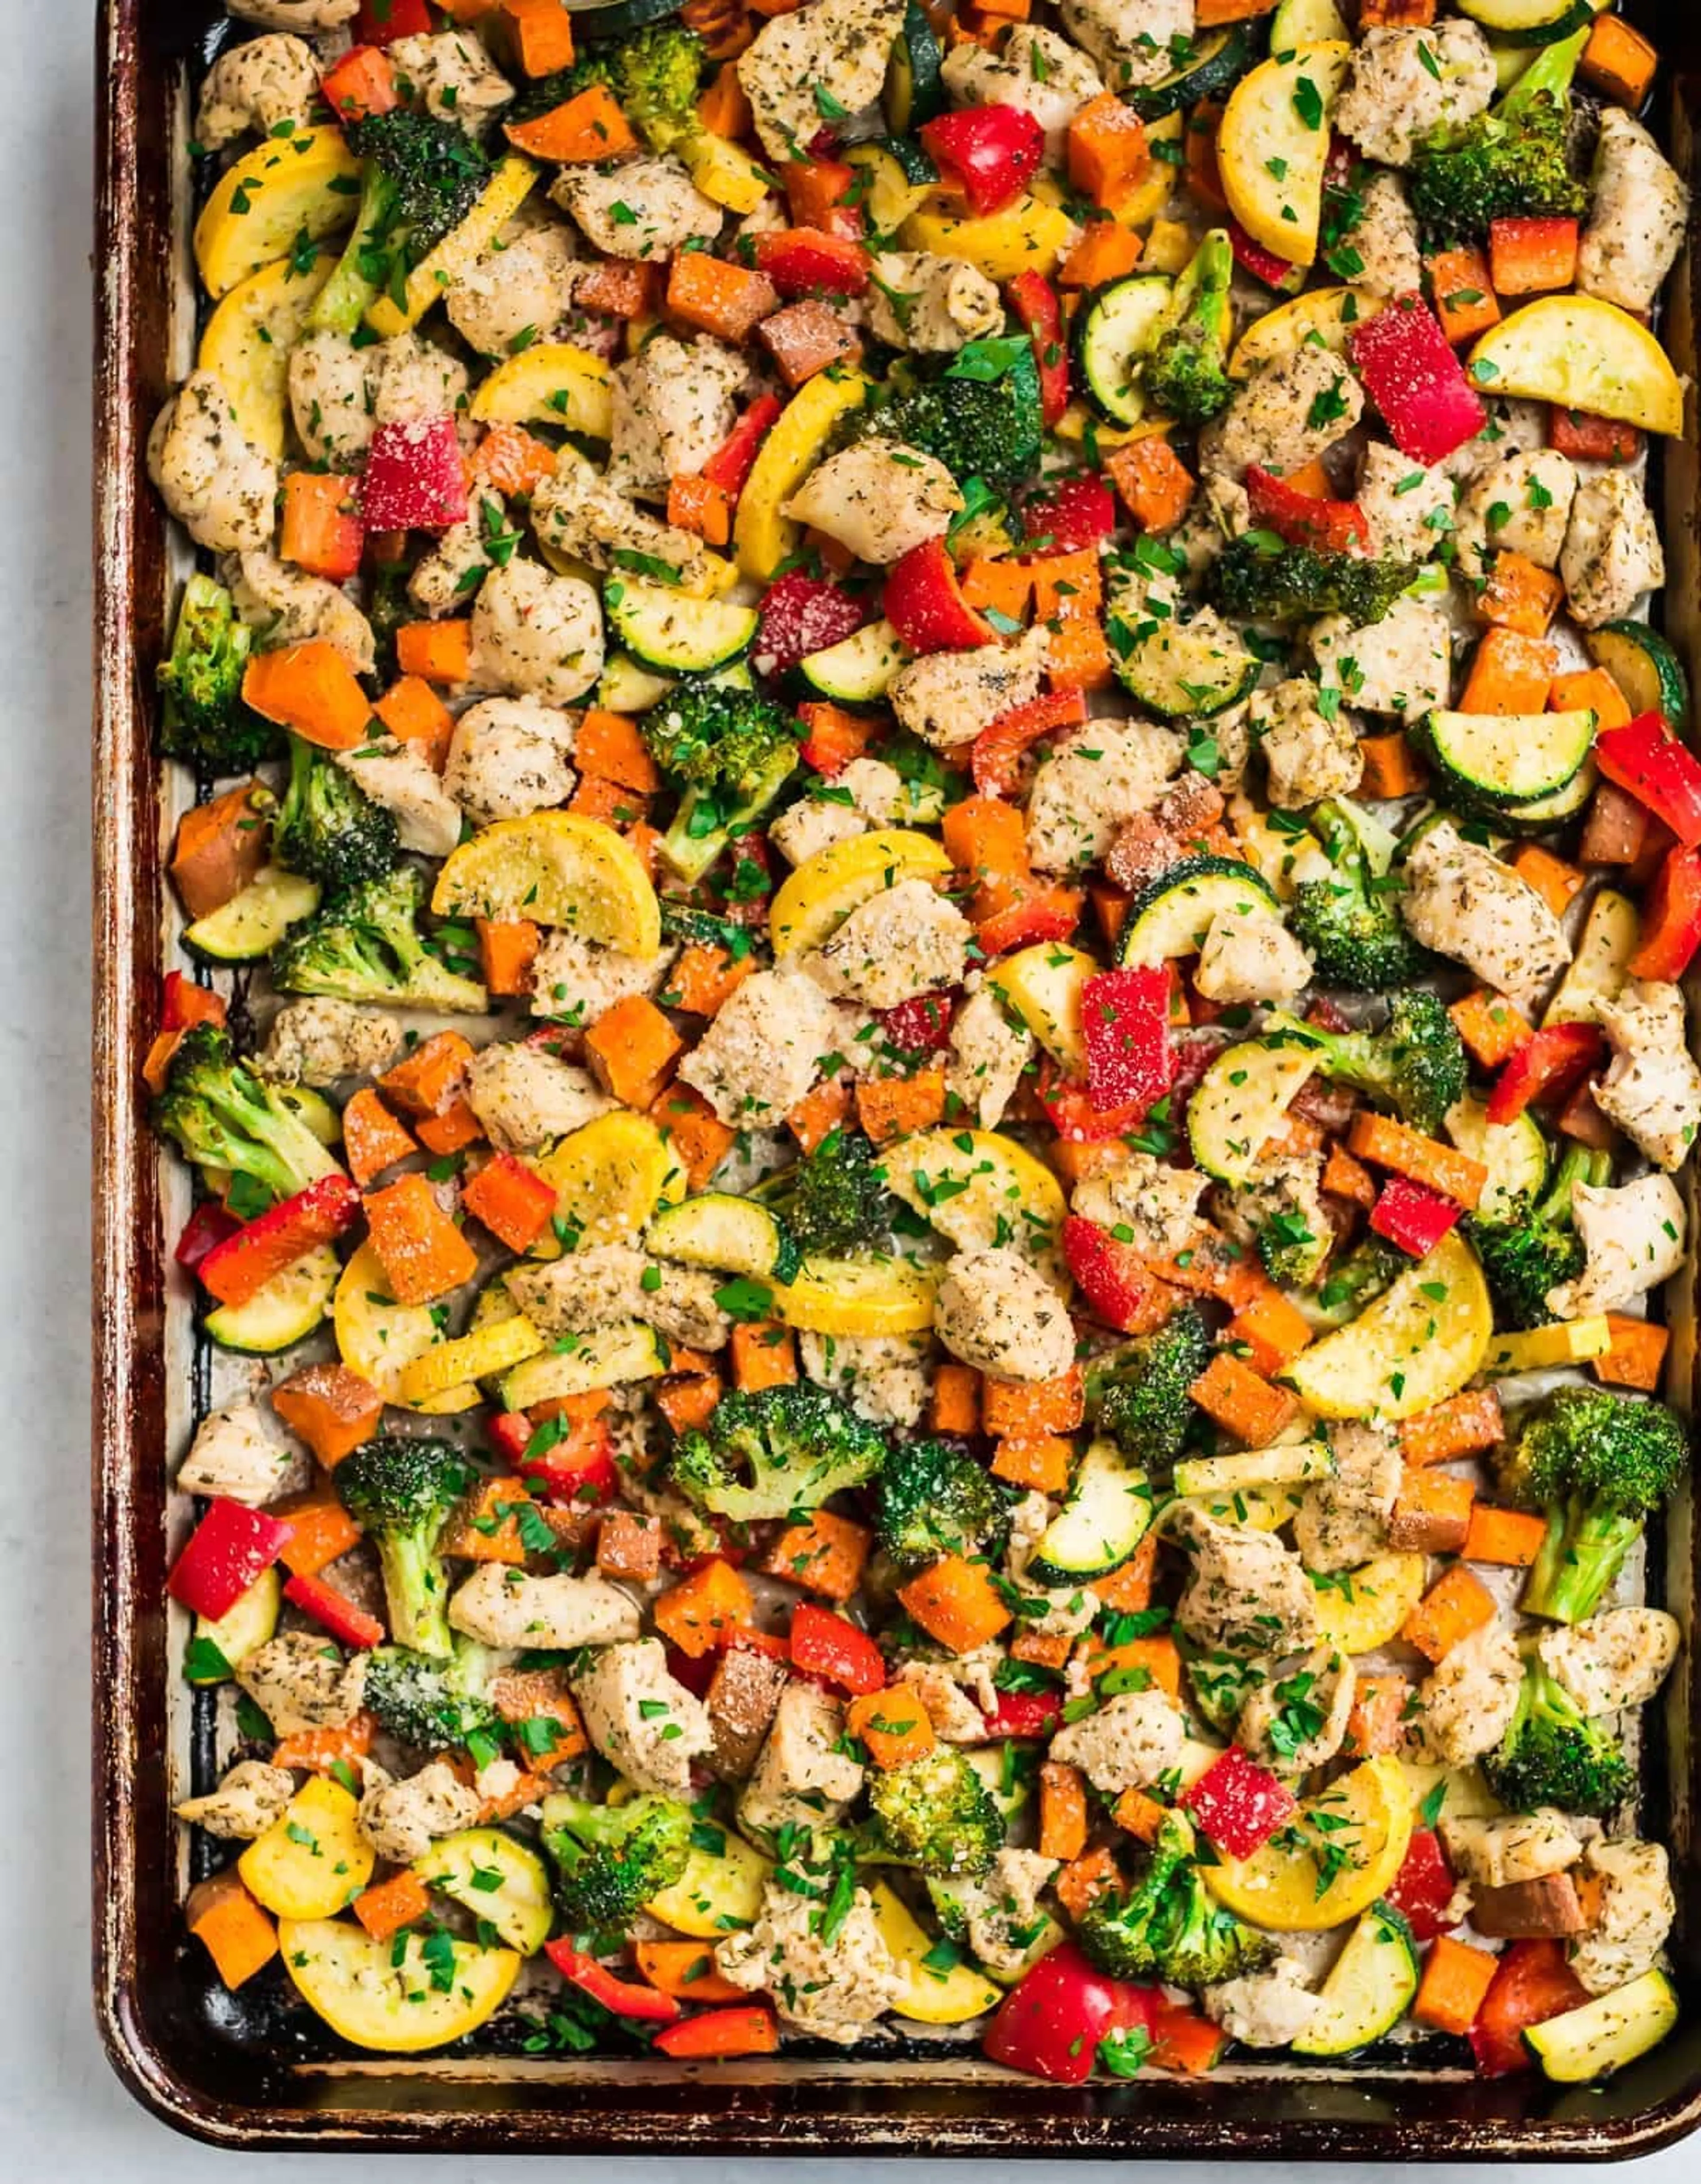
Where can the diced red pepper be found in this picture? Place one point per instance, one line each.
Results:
(382, 22)
(826, 1644)
(414, 479)
(1239, 1804)
(733, 461)
(803, 261)
(625, 1997)
(1075, 513)
(1263, 264)
(1125, 1028)
(1118, 1287)
(572, 1460)
(1411, 374)
(1025, 1714)
(1034, 302)
(240, 1267)
(1549, 1064)
(745, 2028)
(800, 615)
(1332, 526)
(1423, 1887)
(921, 1025)
(209, 1225)
(1586, 439)
(230, 1546)
(1017, 909)
(1182, 2039)
(1074, 1113)
(1002, 742)
(1644, 757)
(334, 1611)
(1671, 919)
(817, 191)
(993, 150)
(1412, 1216)
(183, 1004)
(925, 603)
(1051, 2023)
(361, 84)
(509, 1434)
(1533, 1983)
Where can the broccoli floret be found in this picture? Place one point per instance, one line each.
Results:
(935, 1814)
(431, 1702)
(731, 751)
(328, 827)
(419, 177)
(989, 428)
(936, 1500)
(1530, 1247)
(365, 945)
(1261, 576)
(401, 1490)
(1416, 1063)
(1168, 1927)
(656, 75)
(834, 1200)
(771, 1451)
(1137, 1392)
(1509, 162)
(612, 1859)
(1552, 1754)
(1350, 921)
(1599, 1464)
(202, 720)
(1185, 373)
(1372, 1265)
(219, 1114)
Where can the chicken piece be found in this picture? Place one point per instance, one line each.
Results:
(672, 407)
(501, 1606)
(524, 1095)
(1052, 1611)
(1037, 70)
(947, 698)
(445, 581)
(536, 635)
(830, 1990)
(1511, 424)
(1633, 1237)
(232, 1458)
(1383, 239)
(250, 1796)
(1409, 509)
(598, 1287)
(909, 940)
(1088, 787)
(1402, 83)
(764, 1048)
(647, 1726)
(330, 390)
(646, 208)
(220, 488)
(741, 1699)
(304, 17)
(1613, 1660)
(880, 792)
(802, 1776)
(578, 512)
(1466, 1704)
(885, 1379)
(1132, 1740)
(299, 1680)
(1636, 1914)
(286, 606)
(1462, 901)
(956, 1717)
(319, 1043)
(1297, 1719)
(1612, 553)
(1343, 1520)
(928, 304)
(575, 980)
(401, 1821)
(252, 88)
(415, 382)
(508, 756)
(1521, 504)
(524, 285)
(828, 58)
(1132, 41)
(1157, 1203)
(996, 1311)
(401, 777)
(989, 1053)
(1638, 209)
(1251, 958)
(1266, 2008)
(1290, 411)
(1400, 664)
(1653, 1088)
(879, 497)
(1282, 1198)
(807, 827)
(1245, 1590)
(1499, 1853)
(1003, 1910)
(451, 74)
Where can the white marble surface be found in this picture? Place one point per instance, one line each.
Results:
(62, 2114)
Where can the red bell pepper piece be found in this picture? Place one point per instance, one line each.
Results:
(572, 1459)
(362, 84)
(1002, 742)
(1077, 512)
(1076, 1115)
(183, 1004)
(1332, 526)
(1239, 1804)
(625, 1997)
(1644, 757)
(1051, 2023)
(414, 479)
(209, 1225)
(1671, 918)
(800, 615)
(1025, 1714)
(382, 22)
(745, 2028)
(817, 191)
(993, 150)
(921, 1025)
(733, 461)
(508, 1433)
(241, 1267)
(1263, 264)
(349, 1625)
(1412, 1216)
(1118, 1287)
(1034, 302)
(1182, 2039)
(230, 1546)
(925, 603)
(1411, 374)
(1586, 439)
(826, 1644)
(805, 261)
(1550, 1064)
(1533, 1983)
(1015, 910)
(1423, 1887)
(1125, 1027)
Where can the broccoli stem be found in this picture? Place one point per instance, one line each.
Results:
(416, 1592)
(1583, 1552)
(347, 295)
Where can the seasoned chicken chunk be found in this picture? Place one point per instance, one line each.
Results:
(508, 756)
(250, 1796)
(1638, 208)
(879, 497)
(1297, 1719)
(1245, 1590)
(947, 698)
(1308, 755)
(988, 1055)
(1343, 1520)
(1408, 509)
(332, 386)
(537, 635)
(1037, 70)
(579, 512)
(415, 382)
(233, 1458)
(807, 827)
(1612, 553)
(994, 1311)
(1156, 1203)
(646, 1724)
(908, 940)
(1384, 240)
(764, 1048)
(1265, 2008)
(253, 88)
(1402, 83)
(298, 1680)
(1653, 1088)
(1616, 1658)
(319, 1042)
(801, 1775)
(829, 1989)
(828, 58)
(220, 488)
(445, 581)
(885, 1377)
(523, 286)
(1090, 785)
(401, 1821)
(1466, 1704)
(451, 74)
(1636, 1909)
(1003, 1911)
(1131, 1741)
(647, 208)
(1251, 956)
(523, 1094)
(501, 1606)
(1290, 410)
(284, 606)
(1634, 1239)
(578, 980)
(306, 17)
(932, 305)
(672, 407)
(596, 1287)
(1462, 901)
(1132, 41)
(400, 776)
(1521, 504)
(1400, 664)
(1499, 1853)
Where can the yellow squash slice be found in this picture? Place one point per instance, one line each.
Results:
(1582, 353)
(313, 1858)
(858, 1296)
(608, 1177)
(453, 258)
(555, 868)
(1321, 315)
(382, 1996)
(247, 343)
(550, 383)
(1357, 1610)
(1029, 235)
(1273, 142)
(288, 191)
(1418, 1344)
(762, 537)
(380, 1339)
(979, 1189)
(1339, 1853)
(826, 887)
(930, 1997)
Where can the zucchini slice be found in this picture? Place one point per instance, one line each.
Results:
(900, 175)
(1218, 58)
(1171, 916)
(1515, 1154)
(859, 668)
(915, 87)
(664, 630)
(291, 1306)
(1509, 758)
(1544, 813)
(1114, 329)
(1295, 1464)
(496, 1877)
(1645, 668)
(1241, 1103)
(251, 924)
(1530, 22)
(1369, 1987)
(1306, 22)
(733, 1236)
(249, 1622)
(1603, 2034)
(1108, 1515)
(626, 687)
(1598, 969)
(1183, 670)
